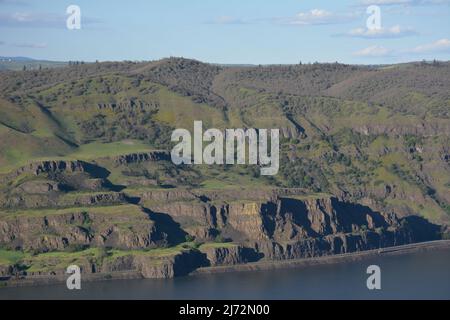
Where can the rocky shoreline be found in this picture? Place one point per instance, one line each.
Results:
(40, 280)
(333, 259)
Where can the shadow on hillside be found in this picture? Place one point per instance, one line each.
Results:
(355, 213)
(422, 229)
(96, 171)
(168, 227)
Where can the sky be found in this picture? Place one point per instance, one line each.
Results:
(228, 31)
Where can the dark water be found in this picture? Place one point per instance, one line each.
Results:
(424, 275)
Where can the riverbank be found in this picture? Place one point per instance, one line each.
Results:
(254, 266)
(340, 258)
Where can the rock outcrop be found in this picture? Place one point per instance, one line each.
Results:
(218, 255)
(276, 229)
(150, 266)
(141, 157)
(52, 199)
(126, 227)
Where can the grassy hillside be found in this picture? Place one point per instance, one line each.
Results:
(376, 135)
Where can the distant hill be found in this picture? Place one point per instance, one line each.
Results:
(16, 59)
(18, 63)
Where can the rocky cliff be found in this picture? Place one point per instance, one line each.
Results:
(228, 233)
(122, 227)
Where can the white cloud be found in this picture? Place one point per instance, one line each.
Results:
(403, 2)
(312, 17)
(318, 17)
(392, 32)
(23, 17)
(441, 45)
(373, 51)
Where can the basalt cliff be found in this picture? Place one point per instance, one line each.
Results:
(159, 233)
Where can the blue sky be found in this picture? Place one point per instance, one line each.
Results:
(227, 31)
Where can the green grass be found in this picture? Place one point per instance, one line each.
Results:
(429, 210)
(8, 257)
(97, 150)
(60, 260)
(181, 112)
(128, 209)
(52, 261)
(310, 196)
(155, 253)
(216, 245)
(89, 151)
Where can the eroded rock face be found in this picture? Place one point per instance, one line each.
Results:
(283, 219)
(278, 229)
(52, 167)
(147, 265)
(59, 231)
(170, 266)
(53, 199)
(230, 255)
(333, 244)
(142, 157)
(220, 195)
(37, 168)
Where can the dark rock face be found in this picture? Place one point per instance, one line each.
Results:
(276, 229)
(142, 157)
(289, 228)
(187, 262)
(230, 255)
(52, 199)
(332, 244)
(326, 224)
(211, 195)
(166, 267)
